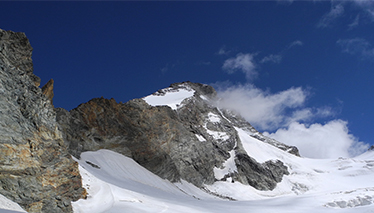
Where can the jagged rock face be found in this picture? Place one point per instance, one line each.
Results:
(36, 171)
(188, 141)
(47, 90)
(152, 136)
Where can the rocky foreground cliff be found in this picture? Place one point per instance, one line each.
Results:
(36, 170)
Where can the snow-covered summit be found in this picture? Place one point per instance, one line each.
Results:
(172, 97)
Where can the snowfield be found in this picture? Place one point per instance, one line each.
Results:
(119, 184)
(116, 183)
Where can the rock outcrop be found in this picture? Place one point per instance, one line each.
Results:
(36, 171)
(189, 142)
(47, 90)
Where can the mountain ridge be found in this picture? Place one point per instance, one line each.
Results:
(175, 142)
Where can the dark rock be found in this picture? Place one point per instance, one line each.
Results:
(260, 176)
(35, 166)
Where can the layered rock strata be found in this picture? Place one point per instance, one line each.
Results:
(36, 171)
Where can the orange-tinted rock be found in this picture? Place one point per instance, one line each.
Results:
(36, 171)
(47, 90)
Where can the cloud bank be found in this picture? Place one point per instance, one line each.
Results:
(330, 140)
(268, 111)
(284, 113)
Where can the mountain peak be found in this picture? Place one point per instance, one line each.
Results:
(178, 133)
(174, 95)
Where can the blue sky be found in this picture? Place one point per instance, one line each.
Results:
(302, 65)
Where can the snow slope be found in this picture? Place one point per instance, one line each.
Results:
(8, 206)
(116, 183)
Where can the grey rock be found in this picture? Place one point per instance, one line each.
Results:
(35, 166)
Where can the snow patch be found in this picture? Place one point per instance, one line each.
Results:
(203, 97)
(218, 135)
(214, 118)
(171, 98)
(200, 138)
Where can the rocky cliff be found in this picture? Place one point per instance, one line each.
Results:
(190, 140)
(36, 171)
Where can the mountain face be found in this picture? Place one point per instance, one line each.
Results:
(178, 133)
(36, 170)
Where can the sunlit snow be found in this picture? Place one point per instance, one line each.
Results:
(8, 206)
(172, 99)
(213, 118)
(200, 138)
(326, 185)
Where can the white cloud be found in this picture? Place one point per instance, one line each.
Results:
(357, 46)
(242, 62)
(277, 58)
(295, 43)
(327, 19)
(272, 58)
(367, 7)
(285, 113)
(355, 22)
(331, 140)
(268, 111)
(223, 51)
